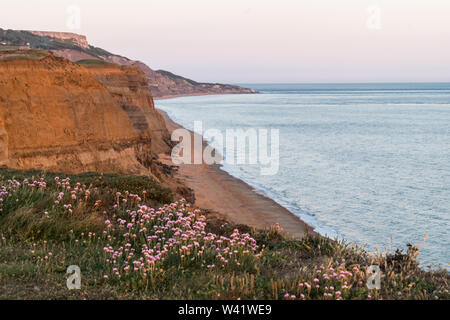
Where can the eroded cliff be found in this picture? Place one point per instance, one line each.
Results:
(60, 116)
(75, 47)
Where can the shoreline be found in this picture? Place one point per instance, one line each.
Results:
(200, 94)
(217, 190)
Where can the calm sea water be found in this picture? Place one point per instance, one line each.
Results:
(357, 161)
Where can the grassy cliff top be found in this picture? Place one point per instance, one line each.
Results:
(129, 244)
(17, 38)
(92, 62)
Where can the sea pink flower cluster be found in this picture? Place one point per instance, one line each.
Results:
(150, 237)
(141, 241)
(69, 194)
(40, 184)
(13, 185)
(77, 191)
(330, 283)
(288, 296)
(64, 197)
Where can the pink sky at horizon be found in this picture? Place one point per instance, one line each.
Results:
(259, 41)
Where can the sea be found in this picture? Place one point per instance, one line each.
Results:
(367, 162)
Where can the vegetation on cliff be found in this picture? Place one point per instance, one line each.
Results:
(130, 244)
(91, 62)
(12, 54)
(26, 38)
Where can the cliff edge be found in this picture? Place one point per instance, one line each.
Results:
(60, 116)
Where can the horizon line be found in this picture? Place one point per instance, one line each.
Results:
(365, 82)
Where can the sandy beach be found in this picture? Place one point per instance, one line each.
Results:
(216, 190)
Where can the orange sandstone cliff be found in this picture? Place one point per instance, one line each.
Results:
(60, 116)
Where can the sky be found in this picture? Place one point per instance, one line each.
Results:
(259, 41)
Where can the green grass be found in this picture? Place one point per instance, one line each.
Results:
(108, 182)
(32, 213)
(24, 54)
(91, 62)
(20, 38)
(6, 48)
(39, 239)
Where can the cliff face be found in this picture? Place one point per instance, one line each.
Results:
(128, 85)
(59, 116)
